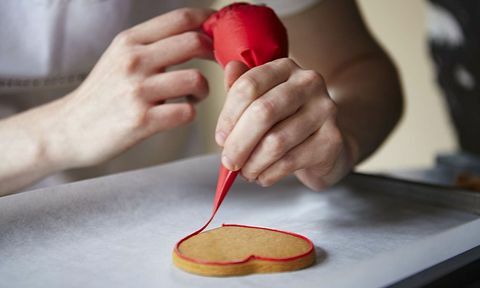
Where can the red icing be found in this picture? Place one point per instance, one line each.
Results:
(253, 35)
(224, 182)
(251, 257)
(248, 33)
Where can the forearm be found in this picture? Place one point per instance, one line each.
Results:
(26, 150)
(332, 39)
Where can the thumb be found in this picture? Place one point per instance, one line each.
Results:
(233, 70)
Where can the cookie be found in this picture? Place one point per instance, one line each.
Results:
(239, 250)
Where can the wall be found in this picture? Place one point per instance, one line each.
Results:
(425, 128)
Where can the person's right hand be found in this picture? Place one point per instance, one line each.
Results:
(122, 101)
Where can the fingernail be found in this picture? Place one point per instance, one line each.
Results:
(220, 137)
(251, 179)
(228, 163)
(245, 178)
(261, 183)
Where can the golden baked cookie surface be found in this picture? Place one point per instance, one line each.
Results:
(238, 250)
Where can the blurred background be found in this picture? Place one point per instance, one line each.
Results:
(425, 129)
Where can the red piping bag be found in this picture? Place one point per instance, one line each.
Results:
(225, 181)
(251, 34)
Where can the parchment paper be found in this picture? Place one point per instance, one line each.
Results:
(119, 231)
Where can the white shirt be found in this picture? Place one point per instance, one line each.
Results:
(48, 47)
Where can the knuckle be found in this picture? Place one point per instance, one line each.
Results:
(124, 38)
(198, 81)
(311, 77)
(188, 114)
(182, 116)
(330, 108)
(265, 181)
(137, 117)
(248, 87)
(288, 163)
(335, 137)
(185, 17)
(137, 89)
(225, 123)
(325, 165)
(131, 61)
(285, 62)
(232, 149)
(319, 185)
(262, 71)
(263, 109)
(249, 173)
(196, 40)
(275, 143)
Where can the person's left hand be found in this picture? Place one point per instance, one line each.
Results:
(279, 119)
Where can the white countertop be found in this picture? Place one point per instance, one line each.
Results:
(120, 230)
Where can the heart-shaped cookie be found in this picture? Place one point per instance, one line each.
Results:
(238, 250)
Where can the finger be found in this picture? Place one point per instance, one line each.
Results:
(168, 116)
(175, 50)
(286, 135)
(321, 150)
(168, 24)
(233, 70)
(276, 105)
(250, 86)
(168, 85)
(314, 178)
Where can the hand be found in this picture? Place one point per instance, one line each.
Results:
(123, 100)
(278, 119)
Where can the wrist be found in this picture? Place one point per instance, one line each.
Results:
(26, 155)
(54, 140)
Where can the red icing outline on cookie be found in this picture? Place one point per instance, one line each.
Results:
(225, 181)
(251, 257)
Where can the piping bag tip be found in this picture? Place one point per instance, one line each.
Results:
(225, 181)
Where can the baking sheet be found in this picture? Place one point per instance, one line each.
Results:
(436, 194)
(120, 230)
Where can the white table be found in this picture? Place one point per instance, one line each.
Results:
(119, 231)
